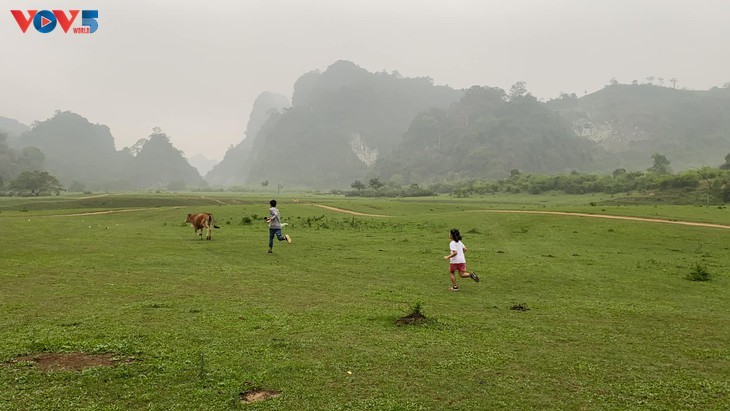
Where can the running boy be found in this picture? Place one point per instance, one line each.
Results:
(275, 226)
(457, 260)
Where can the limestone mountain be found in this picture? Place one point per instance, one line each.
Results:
(158, 164)
(202, 163)
(12, 129)
(83, 154)
(633, 122)
(235, 167)
(340, 122)
(487, 135)
(75, 149)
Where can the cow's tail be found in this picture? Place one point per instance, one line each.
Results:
(211, 221)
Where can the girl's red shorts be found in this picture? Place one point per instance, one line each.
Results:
(460, 267)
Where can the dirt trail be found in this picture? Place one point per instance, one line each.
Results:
(340, 210)
(96, 196)
(563, 213)
(126, 210)
(613, 217)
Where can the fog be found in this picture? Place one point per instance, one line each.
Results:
(194, 68)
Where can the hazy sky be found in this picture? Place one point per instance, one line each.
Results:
(194, 68)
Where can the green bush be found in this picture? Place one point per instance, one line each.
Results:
(699, 273)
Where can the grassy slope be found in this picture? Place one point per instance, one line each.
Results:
(612, 321)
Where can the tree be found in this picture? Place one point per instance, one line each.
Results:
(725, 191)
(726, 166)
(710, 185)
(650, 79)
(35, 183)
(619, 172)
(264, 183)
(375, 183)
(613, 81)
(31, 158)
(357, 185)
(660, 80)
(519, 89)
(673, 80)
(661, 164)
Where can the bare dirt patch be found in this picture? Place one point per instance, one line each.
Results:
(49, 362)
(251, 396)
(414, 318)
(520, 307)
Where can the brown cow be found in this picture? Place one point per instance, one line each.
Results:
(200, 221)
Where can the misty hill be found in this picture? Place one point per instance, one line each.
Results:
(83, 154)
(691, 128)
(235, 167)
(14, 162)
(159, 164)
(75, 149)
(202, 163)
(487, 135)
(12, 129)
(340, 122)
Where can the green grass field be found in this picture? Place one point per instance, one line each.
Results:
(611, 321)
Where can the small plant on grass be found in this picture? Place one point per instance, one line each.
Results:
(415, 317)
(699, 273)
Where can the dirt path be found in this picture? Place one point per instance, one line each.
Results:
(612, 217)
(126, 210)
(340, 210)
(96, 196)
(563, 213)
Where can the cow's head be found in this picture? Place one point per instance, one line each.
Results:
(189, 219)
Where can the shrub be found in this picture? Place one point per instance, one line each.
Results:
(699, 273)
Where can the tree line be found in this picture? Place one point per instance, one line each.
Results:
(714, 182)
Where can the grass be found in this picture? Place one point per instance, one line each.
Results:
(612, 321)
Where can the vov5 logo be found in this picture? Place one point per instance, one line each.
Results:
(45, 21)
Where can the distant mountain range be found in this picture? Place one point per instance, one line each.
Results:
(202, 163)
(346, 123)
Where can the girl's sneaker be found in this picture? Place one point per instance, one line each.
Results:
(474, 276)
(454, 288)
